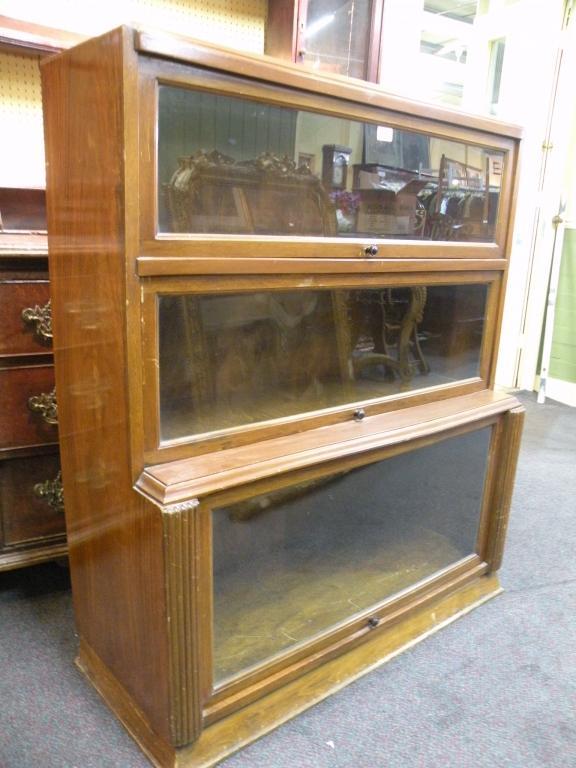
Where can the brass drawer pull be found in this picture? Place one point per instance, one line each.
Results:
(46, 405)
(52, 491)
(42, 319)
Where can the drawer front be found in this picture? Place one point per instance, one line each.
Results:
(30, 512)
(19, 425)
(17, 335)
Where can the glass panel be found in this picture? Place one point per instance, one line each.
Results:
(291, 564)
(232, 359)
(336, 38)
(230, 165)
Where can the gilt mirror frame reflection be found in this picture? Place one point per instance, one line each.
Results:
(241, 247)
(212, 193)
(159, 448)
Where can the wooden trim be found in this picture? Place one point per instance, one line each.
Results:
(507, 452)
(321, 249)
(158, 265)
(285, 281)
(91, 99)
(486, 507)
(270, 482)
(247, 688)
(147, 157)
(266, 69)
(34, 555)
(32, 449)
(228, 735)
(490, 326)
(205, 605)
(257, 433)
(179, 481)
(122, 704)
(515, 169)
(23, 244)
(373, 58)
(131, 211)
(281, 33)
(24, 37)
(180, 542)
(285, 94)
(505, 200)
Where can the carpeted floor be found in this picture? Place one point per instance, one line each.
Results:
(496, 689)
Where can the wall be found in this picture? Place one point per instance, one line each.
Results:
(234, 23)
(21, 136)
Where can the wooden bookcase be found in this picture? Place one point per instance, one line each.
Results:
(283, 458)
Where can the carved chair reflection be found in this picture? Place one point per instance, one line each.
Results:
(278, 341)
(389, 319)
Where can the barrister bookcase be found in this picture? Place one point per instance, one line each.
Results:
(282, 453)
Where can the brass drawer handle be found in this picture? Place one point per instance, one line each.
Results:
(52, 491)
(42, 319)
(46, 405)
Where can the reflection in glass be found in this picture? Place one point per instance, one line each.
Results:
(232, 359)
(293, 563)
(336, 37)
(231, 165)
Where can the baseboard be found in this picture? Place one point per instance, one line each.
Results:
(561, 391)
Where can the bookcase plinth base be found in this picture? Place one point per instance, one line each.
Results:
(230, 734)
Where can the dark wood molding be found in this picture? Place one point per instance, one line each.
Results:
(179, 522)
(25, 37)
(33, 555)
(509, 448)
(179, 481)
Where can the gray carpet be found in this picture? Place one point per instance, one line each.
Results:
(497, 688)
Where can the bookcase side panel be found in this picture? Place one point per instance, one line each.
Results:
(115, 537)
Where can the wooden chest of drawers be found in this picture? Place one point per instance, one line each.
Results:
(31, 509)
